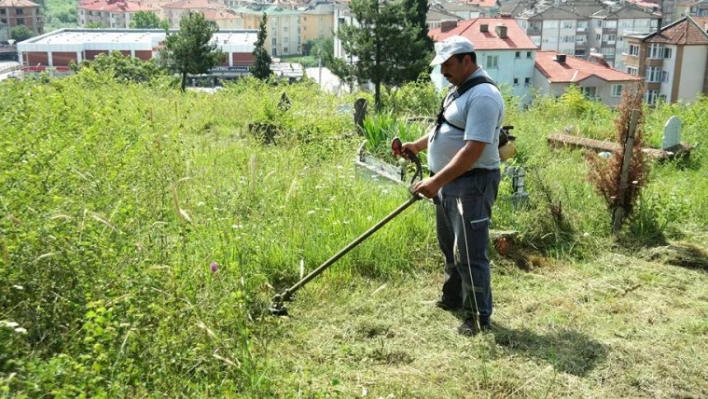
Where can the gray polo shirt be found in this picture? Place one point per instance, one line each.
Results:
(481, 112)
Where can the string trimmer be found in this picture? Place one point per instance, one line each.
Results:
(277, 308)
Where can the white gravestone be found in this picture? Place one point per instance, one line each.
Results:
(672, 133)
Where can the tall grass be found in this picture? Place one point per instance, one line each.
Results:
(117, 200)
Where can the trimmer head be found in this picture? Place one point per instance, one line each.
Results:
(278, 309)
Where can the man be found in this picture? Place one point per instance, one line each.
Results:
(464, 162)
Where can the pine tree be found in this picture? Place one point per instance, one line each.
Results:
(190, 50)
(389, 45)
(261, 66)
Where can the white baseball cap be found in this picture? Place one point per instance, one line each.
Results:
(449, 47)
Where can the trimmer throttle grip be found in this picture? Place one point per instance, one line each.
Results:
(397, 148)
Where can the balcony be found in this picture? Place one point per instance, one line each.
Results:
(654, 62)
(533, 31)
(581, 43)
(630, 60)
(581, 30)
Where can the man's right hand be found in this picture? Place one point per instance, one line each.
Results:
(412, 147)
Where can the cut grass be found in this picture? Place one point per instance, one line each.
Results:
(614, 327)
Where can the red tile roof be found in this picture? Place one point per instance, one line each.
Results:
(685, 31)
(702, 22)
(515, 36)
(575, 69)
(195, 5)
(116, 6)
(17, 4)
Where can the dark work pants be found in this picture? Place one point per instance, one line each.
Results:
(464, 237)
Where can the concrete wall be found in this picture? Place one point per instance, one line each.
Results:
(693, 68)
(509, 68)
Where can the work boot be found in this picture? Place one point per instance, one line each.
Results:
(448, 306)
(469, 327)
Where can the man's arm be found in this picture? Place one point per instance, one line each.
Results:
(460, 163)
(419, 145)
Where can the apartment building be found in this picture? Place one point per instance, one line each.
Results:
(283, 26)
(609, 27)
(115, 14)
(672, 61)
(503, 50)
(224, 19)
(557, 29)
(21, 12)
(173, 12)
(317, 22)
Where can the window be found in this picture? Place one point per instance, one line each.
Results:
(580, 53)
(568, 25)
(528, 54)
(3, 21)
(568, 39)
(656, 50)
(634, 71)
(609, 38)
(2, 11)
(274, 43)
(582, 24)
(492, 61)
(609, 24)
(633, 50)
(285, 50)
(19, 11)
(285, 28)
(589, 92)
(304, 18)
(616, 90)
(667, 53)
(598, 37)
(516, 81)
(664, 76)
(527, 81)
(20, 21)
(653, 74)
(651, 96)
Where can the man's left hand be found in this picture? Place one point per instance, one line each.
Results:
(428, 188)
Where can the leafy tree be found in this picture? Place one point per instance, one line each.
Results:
(388, 45)
(147, 20)
(190, 50)
(261, 66)
(20, 33)
(124, 68)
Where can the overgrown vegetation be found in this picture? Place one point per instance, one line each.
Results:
(143, 231)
